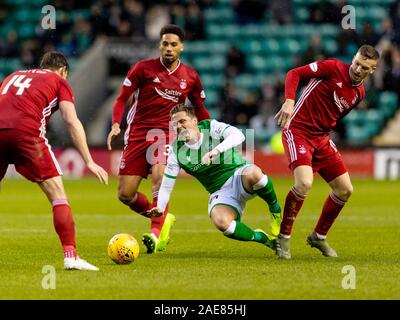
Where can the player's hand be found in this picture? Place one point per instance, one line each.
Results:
(98, 171)
(156, 212)
(209, 156)
(285, 114)
(115, 131)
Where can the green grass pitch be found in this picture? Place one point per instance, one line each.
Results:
(200, 263)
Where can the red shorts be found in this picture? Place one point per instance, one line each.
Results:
(320, 153)
(140, 155)
(32, 156)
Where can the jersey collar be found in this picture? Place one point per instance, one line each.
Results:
(196, 145)
(170, 71)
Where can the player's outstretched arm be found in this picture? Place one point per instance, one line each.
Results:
(78, 136)
(285, 113)
(232, 137)
(164, 194)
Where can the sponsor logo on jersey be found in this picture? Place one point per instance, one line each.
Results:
(302, 149)
(339, 84)
(340, 102)
(313, 66)
(156, 80)
(127, 82)
(183, 84)
(169, 94)
(202, 94)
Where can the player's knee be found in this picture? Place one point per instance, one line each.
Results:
(125, 197)
(254, 174)
(345, 193)
(221, 222)
(303, 187)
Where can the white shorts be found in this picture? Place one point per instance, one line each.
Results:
(232, 194)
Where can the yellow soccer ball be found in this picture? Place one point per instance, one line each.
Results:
(123, 248)
(276, 143)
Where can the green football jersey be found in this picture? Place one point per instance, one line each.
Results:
(189, 157)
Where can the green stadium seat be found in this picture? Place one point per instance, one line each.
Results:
(214, 63)
(330, 45)
(388, 103)
(355, 118)
(246, 81)
(214, 81)
(271, 46)
(291, 46)
(257, 63)
(357, 135)
(220, 15)
(26, 30)
(301, 14)
(215, 113)
(24, 15)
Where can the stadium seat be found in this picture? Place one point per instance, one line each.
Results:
(357, 135)
(388, 103)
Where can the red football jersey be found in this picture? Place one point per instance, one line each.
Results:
(29, 97)
(328, 97)
(156, 91)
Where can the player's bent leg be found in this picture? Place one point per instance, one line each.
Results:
(64, 223)
(256, 181)
(128, 194)
(225, 218)
(342, 187)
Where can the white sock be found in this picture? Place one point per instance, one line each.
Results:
(261, 183)
(231, 229)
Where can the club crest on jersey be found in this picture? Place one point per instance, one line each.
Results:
(183, 84)
(122, 164)
(302, 149)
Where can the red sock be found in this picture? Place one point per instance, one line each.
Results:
(293, 204)
(332, 206)
(65, 227)
(140, 204)
(157, 222)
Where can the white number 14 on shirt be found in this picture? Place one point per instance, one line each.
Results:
(16, 81)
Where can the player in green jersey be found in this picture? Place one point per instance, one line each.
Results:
(206, 150)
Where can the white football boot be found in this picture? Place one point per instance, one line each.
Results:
(78, 264)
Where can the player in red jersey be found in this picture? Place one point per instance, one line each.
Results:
(27, 100)
(157, 85)
(334, 89)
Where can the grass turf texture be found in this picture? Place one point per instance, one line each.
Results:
(200, 263)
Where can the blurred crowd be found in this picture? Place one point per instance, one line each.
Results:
(79, 22)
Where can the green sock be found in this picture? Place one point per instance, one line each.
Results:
(241, 232)
(268, 194)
